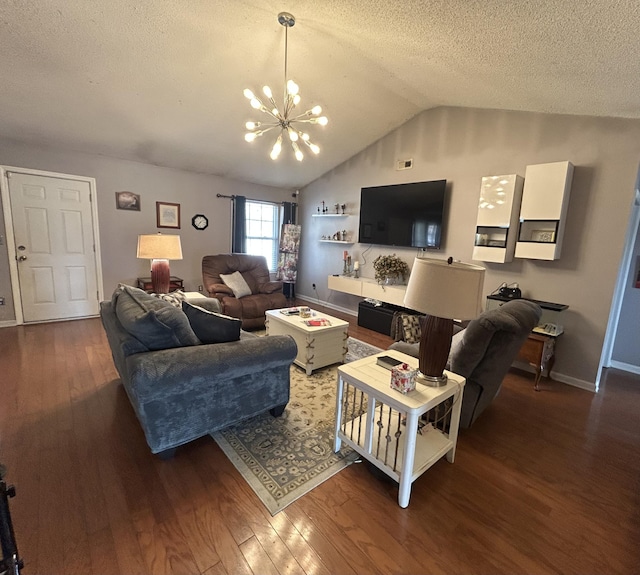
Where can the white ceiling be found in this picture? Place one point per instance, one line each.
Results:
(161, 81)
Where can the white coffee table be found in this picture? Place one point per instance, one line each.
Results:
(381, 424)
(318, 346)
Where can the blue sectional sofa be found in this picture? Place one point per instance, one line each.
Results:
(180, 388)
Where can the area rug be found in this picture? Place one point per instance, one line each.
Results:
(282, 458)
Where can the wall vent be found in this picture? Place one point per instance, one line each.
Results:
(404, 164)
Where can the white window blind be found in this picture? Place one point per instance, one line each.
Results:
(263, 231)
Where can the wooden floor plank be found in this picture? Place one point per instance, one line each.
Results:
(543, 483)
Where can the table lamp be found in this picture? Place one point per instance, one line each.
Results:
(444, 290)
(159, 249)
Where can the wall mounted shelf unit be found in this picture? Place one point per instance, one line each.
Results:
(368, 288)
(497, 223)
(335, 242)
(543, 212)
(330, 215)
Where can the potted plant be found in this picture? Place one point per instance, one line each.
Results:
(390, 269)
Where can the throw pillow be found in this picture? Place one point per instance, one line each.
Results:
(211, 327)
(411, 331)
(236, 283)
(174, 298)
(153, 322)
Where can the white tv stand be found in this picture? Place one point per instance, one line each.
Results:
(368, 288)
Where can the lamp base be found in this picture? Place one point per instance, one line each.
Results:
(160, 276)
(431, 380)
(433, 352)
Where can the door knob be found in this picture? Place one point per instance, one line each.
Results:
(22, 258)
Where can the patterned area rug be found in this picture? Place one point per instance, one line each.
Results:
(282, 458)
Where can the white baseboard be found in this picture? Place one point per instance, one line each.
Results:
(625, 366)
(575, 382)
(8, 323)
(326, 304)
(560, 377)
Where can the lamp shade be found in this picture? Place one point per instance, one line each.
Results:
(447, 290)
(158, 246)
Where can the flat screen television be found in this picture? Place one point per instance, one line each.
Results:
(403, 215)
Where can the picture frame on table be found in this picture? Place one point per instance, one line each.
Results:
(128, 201)
(167, 215)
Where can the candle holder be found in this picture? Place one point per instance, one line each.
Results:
(343, 207)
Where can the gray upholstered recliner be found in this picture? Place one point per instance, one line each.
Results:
(484, 351)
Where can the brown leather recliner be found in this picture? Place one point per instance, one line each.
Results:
(265, 294)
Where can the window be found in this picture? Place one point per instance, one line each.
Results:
(262, 231)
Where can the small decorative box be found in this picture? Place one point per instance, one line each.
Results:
(403, 378)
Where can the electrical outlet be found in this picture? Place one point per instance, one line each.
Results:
(200, 288)
(313, 286)
(1, 301)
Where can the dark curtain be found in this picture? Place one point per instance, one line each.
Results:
(290, 213)
(239, 233)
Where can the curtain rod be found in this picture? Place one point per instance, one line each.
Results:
(252, 199)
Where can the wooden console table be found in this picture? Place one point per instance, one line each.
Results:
(539, 351)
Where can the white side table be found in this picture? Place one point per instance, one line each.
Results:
(381, 424)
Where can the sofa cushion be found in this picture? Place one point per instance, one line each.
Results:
(153, 322)
(212, 327)
(237, 283)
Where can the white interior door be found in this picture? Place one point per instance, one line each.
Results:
(54, 246)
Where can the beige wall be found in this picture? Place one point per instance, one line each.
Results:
(462, 145)
(119, 229)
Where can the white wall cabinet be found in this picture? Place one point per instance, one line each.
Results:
(497, 223)
(543, 211)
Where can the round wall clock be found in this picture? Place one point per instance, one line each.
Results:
(199, 222)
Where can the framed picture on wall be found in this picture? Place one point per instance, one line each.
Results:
(128, 201)
(167, 215)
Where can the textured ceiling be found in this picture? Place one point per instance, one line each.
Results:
(161, 81)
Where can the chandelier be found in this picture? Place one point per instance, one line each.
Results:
(285, 118)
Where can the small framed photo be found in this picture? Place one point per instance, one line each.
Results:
(543, 236)
(167, 215)
(128, 201)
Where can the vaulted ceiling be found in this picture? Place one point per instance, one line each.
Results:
(161, 81)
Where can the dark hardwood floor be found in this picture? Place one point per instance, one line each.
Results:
(542, 483)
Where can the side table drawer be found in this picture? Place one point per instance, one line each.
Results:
(531, 351)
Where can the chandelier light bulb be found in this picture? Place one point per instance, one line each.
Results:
(297, 151)
(277, 148)
(292, 88)
(284, 119)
